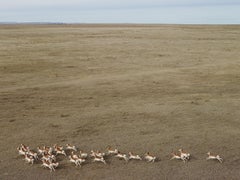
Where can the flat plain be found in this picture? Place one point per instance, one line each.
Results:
(138, 88)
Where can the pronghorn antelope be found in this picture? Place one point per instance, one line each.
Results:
(99, 159)
(48, 157)
(184, 155)
(175, 156)
(55, 164)
(217, 157)
(44, 149)
(29, 159)
(97, 154)
(121, 156)
(83, 155)
(76, 160)
(50, 165)
(71, 147)
(74, 155)
(21, 151)
(111, 151)
(149, 157)
(31, 153)
(59, 150)
(24, 147)
(136, 157)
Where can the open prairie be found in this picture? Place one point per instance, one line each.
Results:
(138, 88)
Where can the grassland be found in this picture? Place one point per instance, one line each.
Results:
(138, 88)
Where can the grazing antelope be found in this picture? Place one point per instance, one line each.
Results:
(121, 156)
(71, 147)
(99, 159)
(149, 157)
(217, 157)
(136, 157)
(83, 155)
(29, 159)
(111, 151)
(184, 155)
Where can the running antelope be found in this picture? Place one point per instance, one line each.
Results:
(97, 154)
(111, 151)
(83, 155)
(149, 157)
(71, 147)
(21, 151)
(59, 150)
(76, 160)
(48, 157)
(175, 156)
(50, 165)
(217, 157)
(24, 147)
(99, 159)
(29, 159)
(136, 157)
(121, 156)
(184, 155)
(31, 153)
(44, 149)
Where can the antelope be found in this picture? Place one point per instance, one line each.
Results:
(111, 151)
(97, 154)
(31, 153)
(74, 155)
(121, 156)
(44, 149)
(48, 149)
(48, 157)
(59, 150)
(24, 147)
(55, 165)
(184, 155)
(217, 157)
(149, 157)
(99, 159)
(29, 159)
(76, 160)
(83, 155)
(175, 156)
(21, 151)
(47, 164)
(136, 157)
(40, 150)
(71, 147)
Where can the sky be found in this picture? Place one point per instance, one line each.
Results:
(122, 11)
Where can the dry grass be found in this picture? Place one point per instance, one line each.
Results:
(138, 88)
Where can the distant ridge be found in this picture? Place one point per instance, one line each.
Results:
(32, 23)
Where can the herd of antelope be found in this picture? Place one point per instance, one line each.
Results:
(48, 155)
